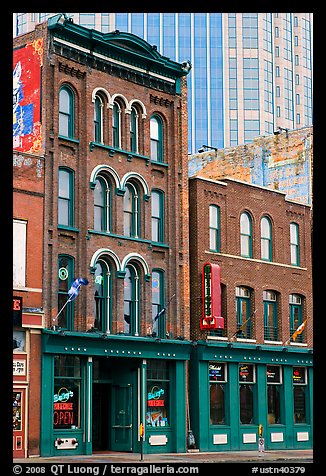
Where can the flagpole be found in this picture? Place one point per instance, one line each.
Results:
(242, 325)
(162, 311)
(297, 332)
(69, 300)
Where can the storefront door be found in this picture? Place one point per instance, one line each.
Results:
(122, 417)
(19, 405)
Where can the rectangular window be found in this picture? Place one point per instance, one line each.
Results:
(274, 381)
(19, 253)
(217, 380)
(299, 376)
(157, 216)
(214, 225)
(158, 390)
(67, 392)
(294, 244)
(246, 387)
(65, 198)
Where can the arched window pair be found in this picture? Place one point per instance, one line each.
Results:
(100, 104)
(132, 209)
(246, 237)
(132, 299)
(104, 305)
(135, 144)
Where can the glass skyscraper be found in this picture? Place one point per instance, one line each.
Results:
(251, 72)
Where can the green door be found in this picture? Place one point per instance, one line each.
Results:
(122, 417)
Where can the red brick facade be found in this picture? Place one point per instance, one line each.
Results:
(234, 197)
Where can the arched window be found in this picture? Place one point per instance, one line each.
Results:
(131, 211)
(102, 296)
(214, 228)
(156, 133)
(116, 125)
(294, 244)
(65, 319)
(134, 130)
(98, 119)
(102, 205)
(131, 300)
(245, 235)
(158, 293)
(157, 216)
(266, 239)
(66, 197)
(66, 112)
(270, 315)
(244, 314)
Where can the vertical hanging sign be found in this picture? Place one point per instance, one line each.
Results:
(211, 297)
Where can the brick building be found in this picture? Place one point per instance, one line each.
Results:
(250, 264)
(28, 196)
(28, 206)
(114, 131)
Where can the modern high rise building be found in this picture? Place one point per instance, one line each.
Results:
(251, 72)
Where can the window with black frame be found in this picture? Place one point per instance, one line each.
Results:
(247, 380)
(217, 384)
(67, 392)
(274, 382)
(299, 377)
(158, 391)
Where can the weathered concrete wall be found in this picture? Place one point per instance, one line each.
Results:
(281, 162)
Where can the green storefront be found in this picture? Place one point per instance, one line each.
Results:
(236, 387)
(97, 390)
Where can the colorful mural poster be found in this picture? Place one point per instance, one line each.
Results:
(27, 129)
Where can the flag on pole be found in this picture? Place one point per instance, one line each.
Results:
(299, 330)
(74, 289)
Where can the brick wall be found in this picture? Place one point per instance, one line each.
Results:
(234, 197)
(174, 260)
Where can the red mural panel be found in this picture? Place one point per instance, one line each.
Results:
(27, 129)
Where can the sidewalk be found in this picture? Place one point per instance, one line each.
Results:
(292, 456)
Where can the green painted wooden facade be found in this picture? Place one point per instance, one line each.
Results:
(232, 435)
(128, 360)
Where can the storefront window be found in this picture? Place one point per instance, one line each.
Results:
(246, 379)
(273, 376)
(158, 413)
(217, 379)
(17, 411)
(67, 392)
(299, 394)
